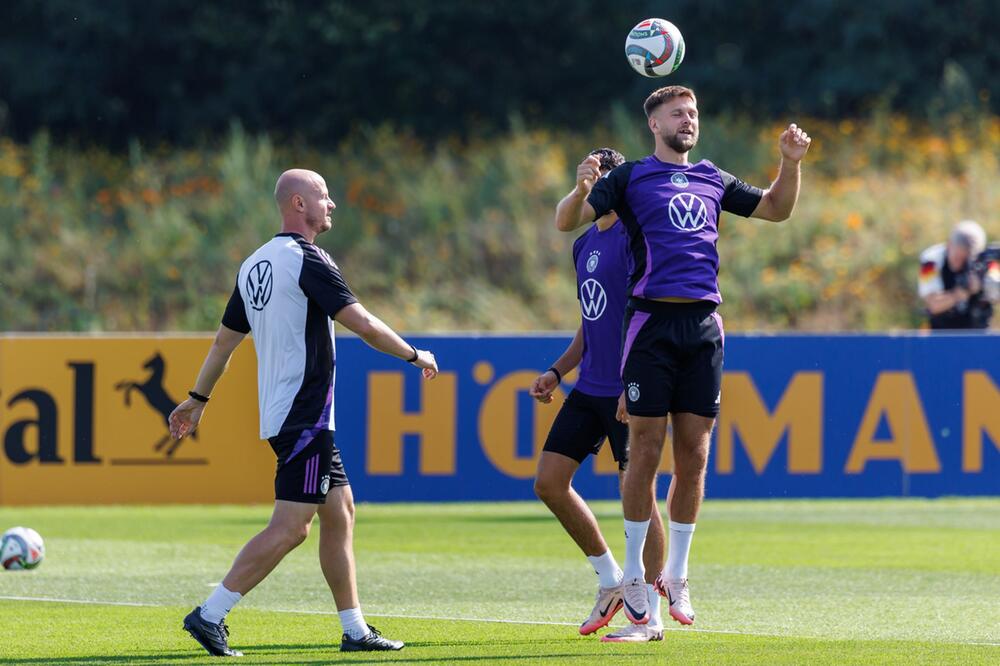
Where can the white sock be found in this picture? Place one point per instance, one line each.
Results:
(607, 569)
(680, 545)
(635, 540)
(654, 606)
(353, 623)
(218, 604)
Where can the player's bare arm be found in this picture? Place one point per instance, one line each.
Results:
(779, 200)
(574, 211)
(379, 336)
(543, 386)
(184, 419)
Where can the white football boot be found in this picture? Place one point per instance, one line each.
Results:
(635, 600)
(607, 603)
(679, 596)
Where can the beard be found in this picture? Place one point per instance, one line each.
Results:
(318, 223)
(680, 143)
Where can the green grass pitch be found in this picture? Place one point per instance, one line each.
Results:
(774, 582)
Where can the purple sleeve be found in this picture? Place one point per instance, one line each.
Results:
(577, 244)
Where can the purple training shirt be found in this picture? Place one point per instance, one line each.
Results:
(602, 269)
(671, 214)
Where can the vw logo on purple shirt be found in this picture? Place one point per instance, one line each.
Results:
(687, 211)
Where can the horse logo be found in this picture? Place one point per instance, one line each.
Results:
(156, 396)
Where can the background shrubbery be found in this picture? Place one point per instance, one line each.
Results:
(139, 143)
(454, 234)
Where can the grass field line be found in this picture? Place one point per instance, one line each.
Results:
(96, 602)
(92, 602)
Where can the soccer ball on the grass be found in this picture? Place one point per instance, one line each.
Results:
(21, 548)
(654, 47)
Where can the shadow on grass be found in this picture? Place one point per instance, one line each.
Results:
(326, 653)
(334, 657)
(352, 658)
(418, 644)
(106, 659)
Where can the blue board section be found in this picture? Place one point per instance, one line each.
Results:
(803, 416)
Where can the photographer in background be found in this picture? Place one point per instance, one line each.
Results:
(953, 276)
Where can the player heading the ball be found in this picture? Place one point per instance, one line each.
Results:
(673, 337)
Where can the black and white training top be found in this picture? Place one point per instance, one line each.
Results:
(287, 293)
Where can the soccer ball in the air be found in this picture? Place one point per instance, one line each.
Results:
(21, 548)
(654, 47)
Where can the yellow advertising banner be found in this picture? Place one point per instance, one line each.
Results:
(83, 421)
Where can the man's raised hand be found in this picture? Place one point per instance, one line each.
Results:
(794, 143)
(587, 173)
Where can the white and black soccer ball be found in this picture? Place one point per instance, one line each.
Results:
(654, 47)
(21, 548)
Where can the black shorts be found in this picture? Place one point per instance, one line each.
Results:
(672, 358)
(582, 424)
(306, 475)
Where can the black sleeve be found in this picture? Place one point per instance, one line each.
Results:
(322, 282)
(235, 316)
(739, 198)
(609, 191)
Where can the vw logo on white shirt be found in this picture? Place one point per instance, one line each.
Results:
(687, 211)
(593, 300)
(259, 282)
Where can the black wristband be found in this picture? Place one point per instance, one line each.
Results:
(198, 396)
(556, 373)
(416, 355)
